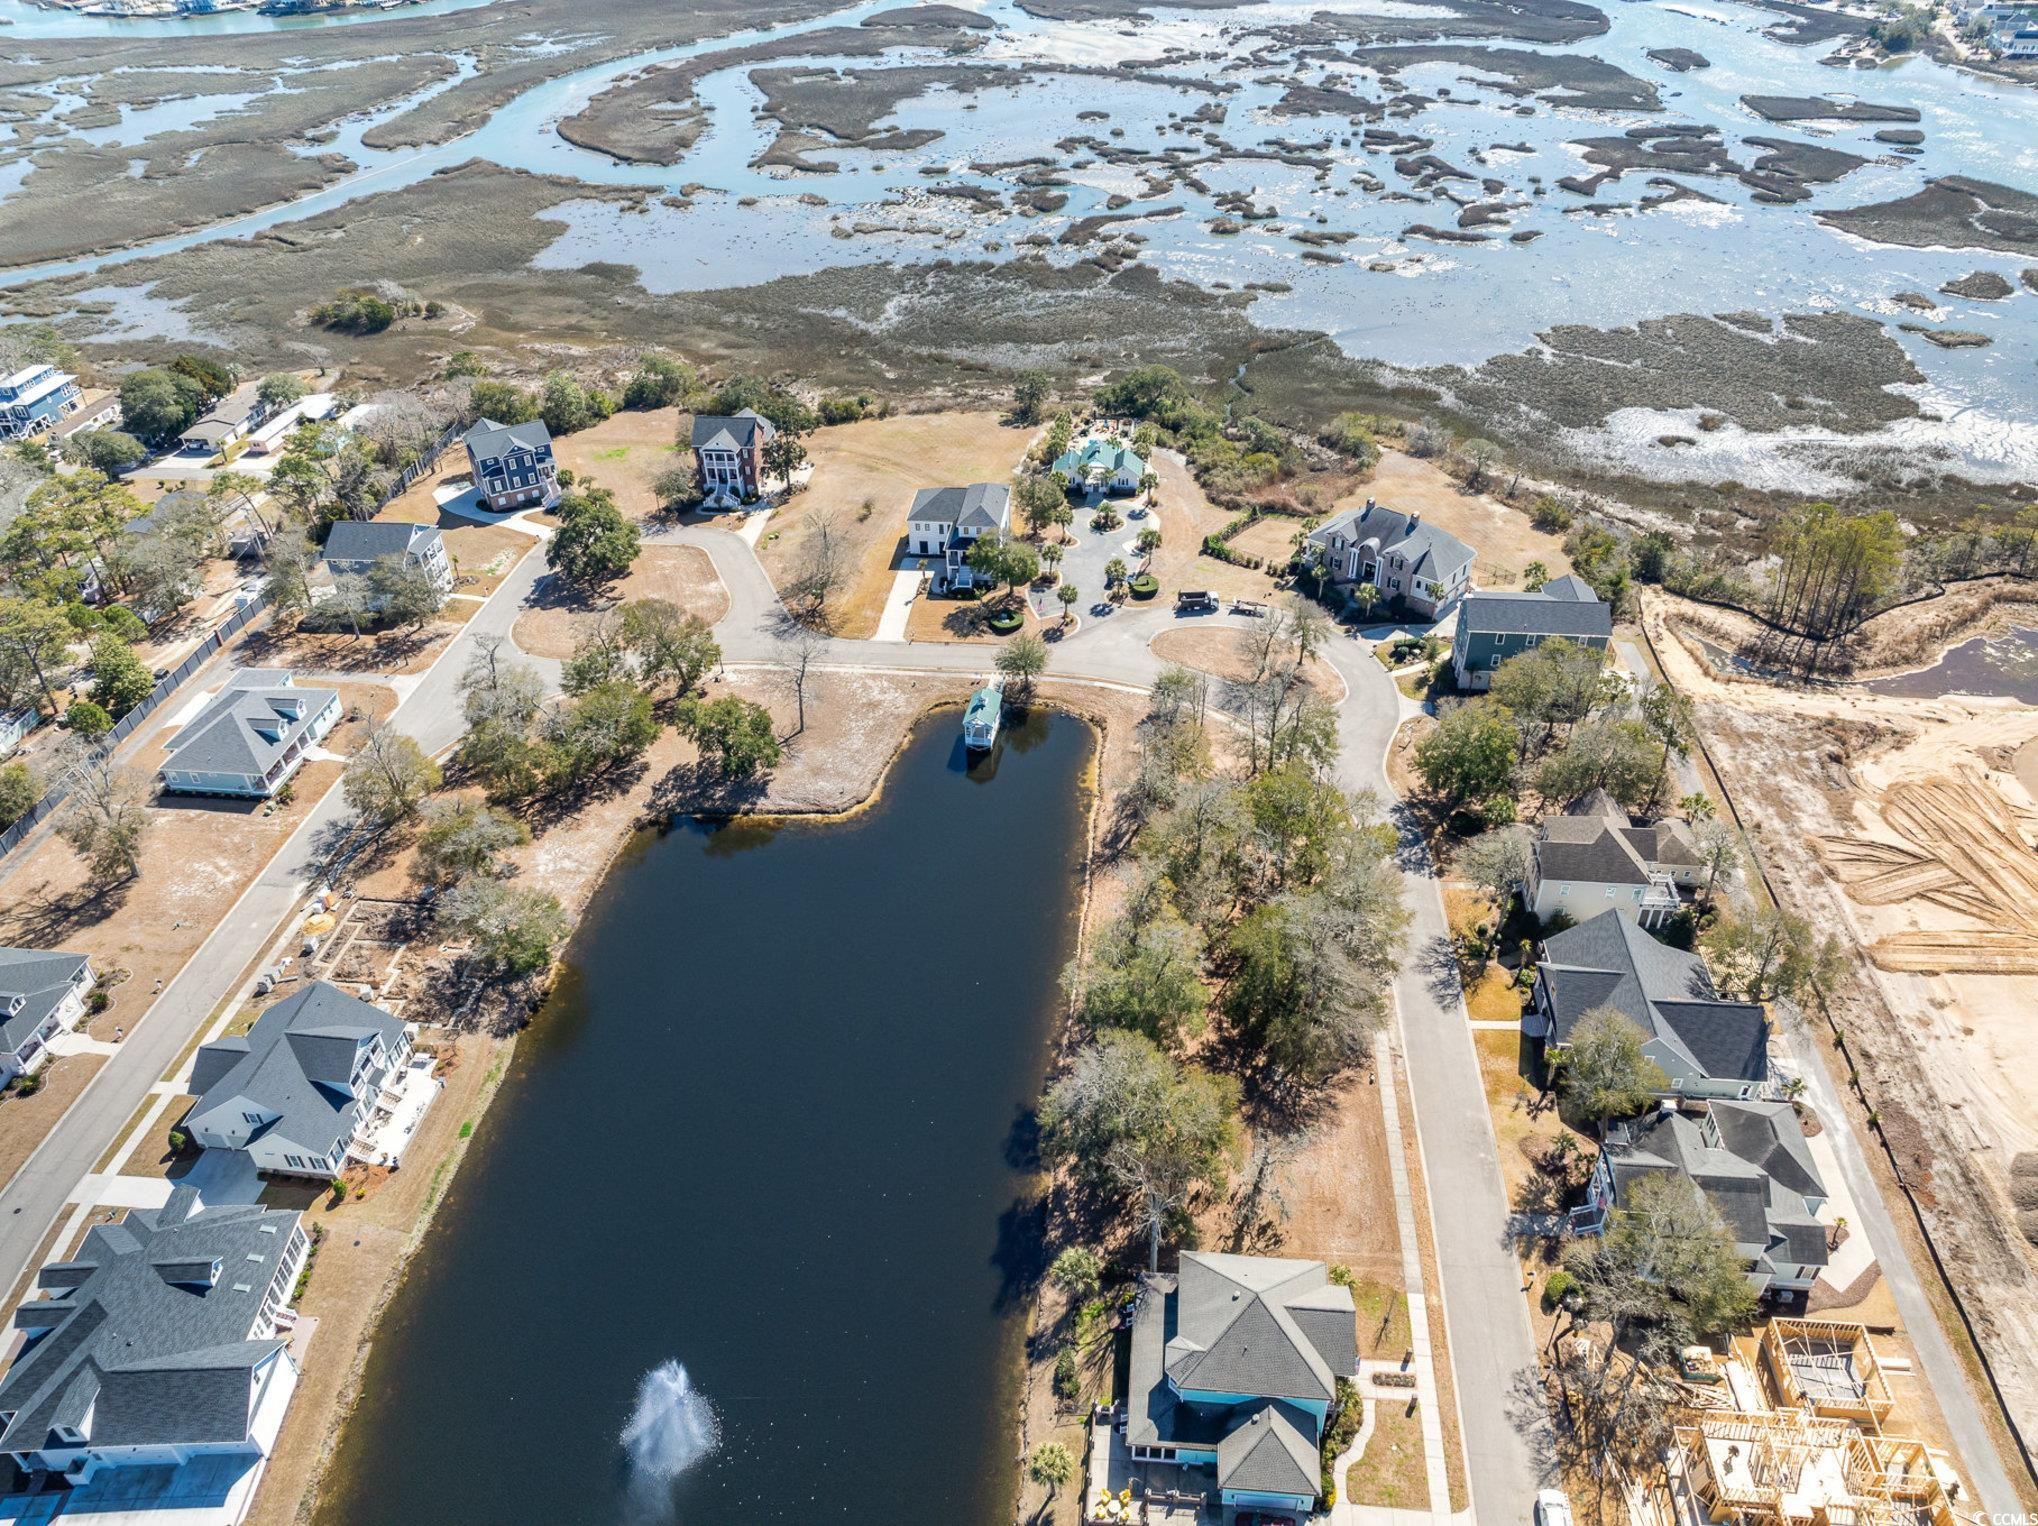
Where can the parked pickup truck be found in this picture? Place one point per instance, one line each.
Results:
(1195, 601)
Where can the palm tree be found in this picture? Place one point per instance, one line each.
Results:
(1149, 542)
(1051, 554)
(1051, 1466)
(1068, 596)
(1148, 483)
(1366, 596)
(1114, 572)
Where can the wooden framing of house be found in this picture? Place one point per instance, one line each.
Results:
(1793, 1468)
(1829, 1368)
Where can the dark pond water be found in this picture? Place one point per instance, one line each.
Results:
(1987, 665)
(773, 1128)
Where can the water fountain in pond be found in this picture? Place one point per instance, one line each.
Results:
(672, 1428)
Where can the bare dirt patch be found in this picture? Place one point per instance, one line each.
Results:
(681, 575)
(1943, 1052)
(1225, 652)
(624, 453)
(394, 652)
(879, 464)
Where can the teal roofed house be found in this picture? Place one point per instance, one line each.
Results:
(1104, 463)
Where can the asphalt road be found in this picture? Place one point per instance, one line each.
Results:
(1492, 1349)
(39, 1191)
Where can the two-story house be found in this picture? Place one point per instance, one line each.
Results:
(728, 455)
(512, 465)
(1413, 565)
(159, 1347)
(251, 738)
(1593, 857)
(34, 400)
(1706, 1047)
(1493, 627)
(354, 547)
(1751, 1161)
(1101, 462)
(42, 994)
(944, 522)
(321, 1079)
(1235, 1362)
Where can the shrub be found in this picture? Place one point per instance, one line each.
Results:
(99, 1000)
(1341, 1275)
(1560, 1287)
(28, 1085)
(1427, 439)
(1068, 1378)
(1550, 516)
(87, 720)
(353, 310)
(179, 1141)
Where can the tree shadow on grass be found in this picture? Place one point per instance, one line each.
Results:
(335, 651)
(548, 811)
(43, 917)
(699, 789)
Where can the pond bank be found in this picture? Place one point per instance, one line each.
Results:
(694, 1118)
(361, 1274)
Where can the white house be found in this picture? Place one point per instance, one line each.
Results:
(354, 546)
(156, 1365)
(321, 1079)
(15, 725)
(1235, 1362)
(274, 435)
(1751, 1161)
(1412, 564)
(42, 994)
(1592, 859)
(945, 522)
(251, 738)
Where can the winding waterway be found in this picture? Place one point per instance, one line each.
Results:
(1379, 291)
(772, 1128)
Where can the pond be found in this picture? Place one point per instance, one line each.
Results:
(1995, 666)
(758, 1186)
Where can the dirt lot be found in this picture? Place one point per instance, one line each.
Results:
(1901, 824)
(382, 652)
(624, 453)
(882, 463)
(1186, 516)
(682, 575)
(1226, 652)
(1500, 534)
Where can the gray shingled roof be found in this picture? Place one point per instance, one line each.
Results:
(1753, 1166)
(1270, 1451)
(247, 727)
(489, 441)
(980, 506)
(153, 1361)
(1431, 552)
(1534, 614)
(298, 1063)
(229, 414)
(39, 980)
(736, 431)
(1609, 961)
(1272, 1328)
(368, 540)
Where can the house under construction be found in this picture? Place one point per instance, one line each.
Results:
(1795, 1468)
(1827, 1367)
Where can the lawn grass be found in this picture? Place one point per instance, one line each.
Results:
(1383, 1321)
(1493, 997)
(1392, 1472)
